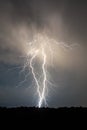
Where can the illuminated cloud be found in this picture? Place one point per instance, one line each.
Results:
(58, 22)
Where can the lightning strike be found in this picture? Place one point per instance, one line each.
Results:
(41, 48)
(42, 97)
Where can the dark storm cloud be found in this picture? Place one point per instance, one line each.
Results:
(40, 13)
(27, 11)
(75, 19)
(67, 21)
(16, 14)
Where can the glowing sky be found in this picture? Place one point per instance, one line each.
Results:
(59, 28)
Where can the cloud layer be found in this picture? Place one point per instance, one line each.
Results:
(63, 21)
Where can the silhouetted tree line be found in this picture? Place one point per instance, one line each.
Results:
(32, 116)
(42, 116)
(30, 112)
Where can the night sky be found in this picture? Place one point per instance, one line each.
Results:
(63, 20)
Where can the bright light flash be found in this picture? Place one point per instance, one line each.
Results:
(41, 48)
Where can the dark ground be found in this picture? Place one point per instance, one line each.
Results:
(60, 117)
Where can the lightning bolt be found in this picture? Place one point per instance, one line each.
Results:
(36, 80)
(40, 94)
(39, 49)
(42, 97)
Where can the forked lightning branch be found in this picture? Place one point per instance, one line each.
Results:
(41, 48)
